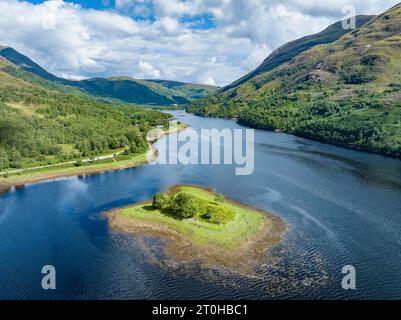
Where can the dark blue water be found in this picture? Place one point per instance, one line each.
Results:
(343, 207)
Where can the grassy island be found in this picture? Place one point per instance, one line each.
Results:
(201, 226)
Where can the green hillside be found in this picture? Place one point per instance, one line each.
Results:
(291, 49)
(127, 90)
(42, 123)
(151, 92)
(346, 92)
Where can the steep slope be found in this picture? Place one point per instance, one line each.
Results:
(152, 92)
(347, 92)
(291, 49)
(27, 64)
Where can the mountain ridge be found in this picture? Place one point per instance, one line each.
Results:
(124, 88)
(291, 49)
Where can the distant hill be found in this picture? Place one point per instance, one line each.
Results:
(128, 90)
(346, 92)
(152, 92)
(188, 90)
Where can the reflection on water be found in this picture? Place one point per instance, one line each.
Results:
(370, 172)
(343, 207)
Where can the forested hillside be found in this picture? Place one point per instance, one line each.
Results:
(42, 123)
(347, 92)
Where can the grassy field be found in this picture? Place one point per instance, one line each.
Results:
(70, 170)
(236, 244)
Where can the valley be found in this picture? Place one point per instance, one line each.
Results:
(273, 214)
(123, 88)
(43, 123)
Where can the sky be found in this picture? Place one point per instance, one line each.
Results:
(199, 41)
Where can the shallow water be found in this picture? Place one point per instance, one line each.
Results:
(342, 207)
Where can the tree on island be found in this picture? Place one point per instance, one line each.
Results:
(184, 206)
(161, 201)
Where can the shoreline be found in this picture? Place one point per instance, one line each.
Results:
(48, 176)
(241, 257)
(35, 176)
(309, 138)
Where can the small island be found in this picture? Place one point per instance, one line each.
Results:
(200, 226)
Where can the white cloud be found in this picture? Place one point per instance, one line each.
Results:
(210, 81)
(176, 8)
(122, 3)
(168, 24)
(71, 41)
(72, 77)
(148, 70)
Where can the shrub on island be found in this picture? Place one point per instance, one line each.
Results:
(219, 215)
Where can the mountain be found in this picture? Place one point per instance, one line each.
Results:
(346, 92)
(291, 49)
(152, 92)
(129, 90)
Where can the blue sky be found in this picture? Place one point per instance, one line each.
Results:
(201, 21)
(95, 4)
(201, 41)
